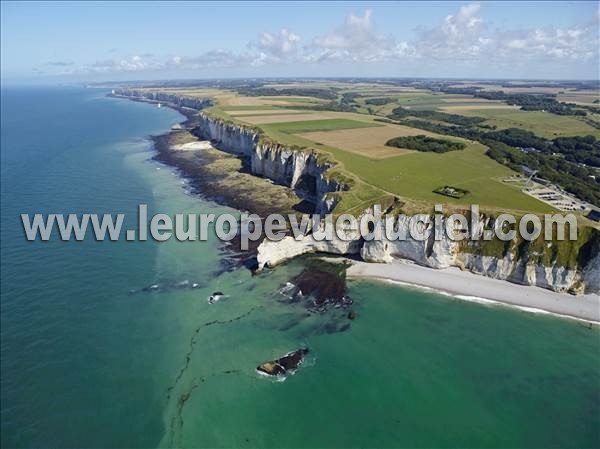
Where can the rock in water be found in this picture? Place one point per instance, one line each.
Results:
(271, 368)
(288, 363)
(352, 315)
(215, 297)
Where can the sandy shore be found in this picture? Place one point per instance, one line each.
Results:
(469, 286)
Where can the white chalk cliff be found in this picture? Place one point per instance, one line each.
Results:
(295, 168)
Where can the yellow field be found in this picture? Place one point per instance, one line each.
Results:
(369, 142)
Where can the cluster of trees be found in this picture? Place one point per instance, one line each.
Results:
(455, 119)
(425, 143)
(379, 101)
(576, 149)
(532, 102)
(572, 177)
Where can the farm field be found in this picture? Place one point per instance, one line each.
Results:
(298, 127)
(498, 114)
(541, 123)
(589, 98)
(369, 143)
(410, 174)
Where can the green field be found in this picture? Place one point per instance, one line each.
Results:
(415, 175)
(249, 108)
(541, 123)
(308, 126)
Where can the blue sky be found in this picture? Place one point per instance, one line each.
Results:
(66, 41)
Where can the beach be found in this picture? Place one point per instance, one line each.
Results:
(469, 286)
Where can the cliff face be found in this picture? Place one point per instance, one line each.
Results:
(165, 97)
(295, 168)
(523, 269)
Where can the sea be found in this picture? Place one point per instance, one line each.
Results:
(114, 344)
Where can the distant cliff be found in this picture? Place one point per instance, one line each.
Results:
(165, 97)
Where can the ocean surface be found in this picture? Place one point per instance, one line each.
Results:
(90, 359)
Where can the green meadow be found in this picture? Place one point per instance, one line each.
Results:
(417, 174)
(308, 126)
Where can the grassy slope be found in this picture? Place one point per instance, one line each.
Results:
(416, 175)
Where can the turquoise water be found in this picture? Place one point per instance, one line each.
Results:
(87, 364)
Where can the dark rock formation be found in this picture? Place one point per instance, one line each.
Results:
(284, 365)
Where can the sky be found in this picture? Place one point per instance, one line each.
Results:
(45, 42)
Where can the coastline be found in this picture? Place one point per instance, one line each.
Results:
(196, 164)
(468, 286)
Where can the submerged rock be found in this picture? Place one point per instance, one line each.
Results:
(352, 315)
(290, 292)
(323, 282)
(215, 297)
(284, 365)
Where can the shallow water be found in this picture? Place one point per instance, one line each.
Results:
(85, 363)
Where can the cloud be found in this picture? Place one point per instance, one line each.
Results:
(278, 46)
(133, 64)
(462, 36)
(213, 58)
(575, 43)
(465, 35)
(148, 63)
(59, 63)
(356, 40)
